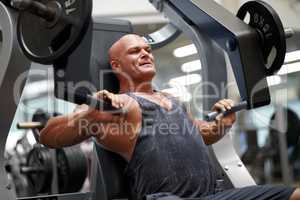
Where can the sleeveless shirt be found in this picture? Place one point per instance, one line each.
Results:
(169, 155)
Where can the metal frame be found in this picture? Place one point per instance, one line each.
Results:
(12, 64)
(163, 36)
(226, 34)
(232, 35)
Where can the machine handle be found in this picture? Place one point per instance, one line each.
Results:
(240, 106)
(99, 104)
(29, 125)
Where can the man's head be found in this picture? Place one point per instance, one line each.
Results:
(131, 57)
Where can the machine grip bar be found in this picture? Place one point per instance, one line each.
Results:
(240, 106)
(29, 125)
(82, 98)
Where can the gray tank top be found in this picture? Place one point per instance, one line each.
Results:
(170, 154)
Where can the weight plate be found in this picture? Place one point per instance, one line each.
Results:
(267, 23)
(39, 175)
(43, 41)
(71, 169)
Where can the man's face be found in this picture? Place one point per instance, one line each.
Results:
(135, 58)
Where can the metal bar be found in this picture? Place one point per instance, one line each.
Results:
(54, 183)
(73, 196)
(163, 36)
(283, 149)
(29, 125)
(36, 8)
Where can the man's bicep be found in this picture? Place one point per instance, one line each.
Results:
(115, 122)
(117, 135)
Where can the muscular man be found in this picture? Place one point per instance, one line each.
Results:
(166, 149)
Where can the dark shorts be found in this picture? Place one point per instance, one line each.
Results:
(265, 192)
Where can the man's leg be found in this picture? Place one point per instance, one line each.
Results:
(265, 192)
(259, 192)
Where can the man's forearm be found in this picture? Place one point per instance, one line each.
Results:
(66, 130)
(210, 131)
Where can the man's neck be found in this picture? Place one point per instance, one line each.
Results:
(141, 88)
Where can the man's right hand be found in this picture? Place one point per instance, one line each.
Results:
(112, 98)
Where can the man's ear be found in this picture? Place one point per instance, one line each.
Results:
(115, 65)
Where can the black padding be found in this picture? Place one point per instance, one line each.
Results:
(111, 182)
(105, 33)
(73, 71)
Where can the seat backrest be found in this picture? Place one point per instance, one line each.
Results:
(108, 181)
(105, 33)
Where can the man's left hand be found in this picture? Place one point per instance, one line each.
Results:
(224, 122)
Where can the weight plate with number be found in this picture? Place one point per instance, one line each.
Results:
(45, 41)
(265, 20)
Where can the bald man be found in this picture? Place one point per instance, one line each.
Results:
(164, 146)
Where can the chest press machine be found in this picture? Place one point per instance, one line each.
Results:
(69, 40)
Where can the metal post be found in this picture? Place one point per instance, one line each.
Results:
(12, 64)
(281, 120)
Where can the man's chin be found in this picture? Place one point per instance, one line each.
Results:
(148, 75)
(148, 69)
